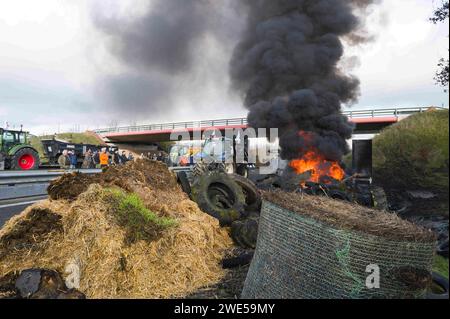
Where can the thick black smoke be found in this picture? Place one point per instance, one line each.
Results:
(162, 49)
(286, 67)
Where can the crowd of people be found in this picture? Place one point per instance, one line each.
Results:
(100, 159)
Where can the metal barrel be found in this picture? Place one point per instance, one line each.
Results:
(362, 158)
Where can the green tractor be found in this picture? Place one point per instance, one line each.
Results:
(15, 151)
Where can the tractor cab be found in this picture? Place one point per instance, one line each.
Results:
(216, 150)
(15, 151)
(10, 138)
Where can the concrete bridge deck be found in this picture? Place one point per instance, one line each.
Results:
(366, 122)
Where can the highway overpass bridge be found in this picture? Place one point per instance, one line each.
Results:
(366, 122)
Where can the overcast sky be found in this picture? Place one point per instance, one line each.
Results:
(53, 61)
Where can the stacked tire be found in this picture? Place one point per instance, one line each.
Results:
(233, 199)
(219, 196)
(245, 232)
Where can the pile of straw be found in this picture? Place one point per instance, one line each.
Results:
(183, 259)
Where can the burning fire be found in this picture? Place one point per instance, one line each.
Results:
(316, 164)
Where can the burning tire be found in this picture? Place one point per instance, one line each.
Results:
(24, 160)
(219, 196)
(253, 199)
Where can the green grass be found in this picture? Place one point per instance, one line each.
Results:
(76, 138)
(141, 223)
(441, 266)
(415, 152)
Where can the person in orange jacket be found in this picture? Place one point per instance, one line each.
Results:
(104, 158)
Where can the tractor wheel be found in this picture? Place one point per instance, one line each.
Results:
(200, 169)
(252, 195)
(242, 170)
(219, 196)
(24, 160)
(203, 168)
(183, 180)
(379, 198)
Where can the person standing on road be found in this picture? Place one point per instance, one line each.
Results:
(73, 160)
(96, 159)
(124, 157)
(117, 160)
(88, 162)
(63, 160)
(104, 158)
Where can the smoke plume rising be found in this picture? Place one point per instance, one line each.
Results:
(286, 66)
(170, 51)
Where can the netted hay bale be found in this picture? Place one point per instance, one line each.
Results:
(319, 251)
(183, 259)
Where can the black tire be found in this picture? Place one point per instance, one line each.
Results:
(338, 195)
(238, 261)
(379, 198)
(219, 196)
(245, 233)
(183, 180)
(253, 199)
(200, 169)
(242, 170)
(442, 282)
(15, 161)
(236, 230)
(203, 168)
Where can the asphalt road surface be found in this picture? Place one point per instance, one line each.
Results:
(8, 211)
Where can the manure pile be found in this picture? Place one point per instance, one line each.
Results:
(80, 234)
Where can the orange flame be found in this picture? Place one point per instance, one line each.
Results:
(316, 164)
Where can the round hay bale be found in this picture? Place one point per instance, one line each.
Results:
(300, 256)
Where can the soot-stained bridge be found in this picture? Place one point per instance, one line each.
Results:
(366, 122)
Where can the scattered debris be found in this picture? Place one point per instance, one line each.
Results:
(36, 284)
(245, 232)
(230, 287)
(439, 226)
(421, 194)
(241, 260)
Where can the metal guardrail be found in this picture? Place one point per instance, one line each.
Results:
(392, 112)
(25, 184)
